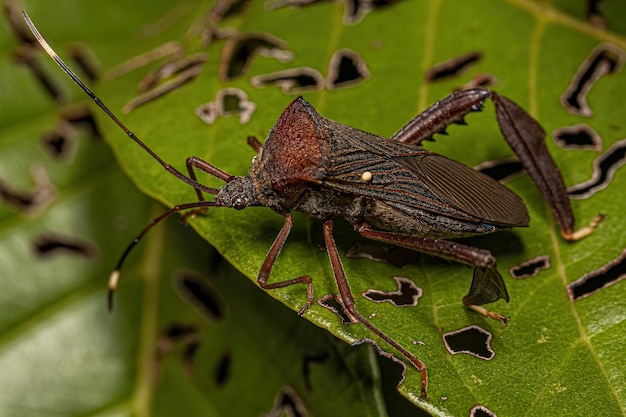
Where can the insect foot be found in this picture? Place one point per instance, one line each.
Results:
(487, 287)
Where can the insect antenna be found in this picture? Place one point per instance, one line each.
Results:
(115, 275)
(195, 184)
(208, 168)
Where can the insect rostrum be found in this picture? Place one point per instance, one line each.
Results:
(390, 190)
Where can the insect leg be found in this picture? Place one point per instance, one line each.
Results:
(440, 115)
(523, 134)
(487, 284)
(254, 143)
(268, 264)
(200, 164)
(347, 301)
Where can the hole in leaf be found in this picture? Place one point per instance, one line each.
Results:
(479, 80)
(603, 277)
(61, 142)
(16, 22)
(395, 255)
(175, 334)
(288, 403)
(502, 170)
(472, 340)
(354, 10)
(189, 353)
(595, 15)
(171, 50)
(346, 68)
(223, 369)
(531, 267)
(604, 168)
(407, 294)
(291, 81)
(277, 4)
(26, 55)
(81, 118)
(28, 51)
(481, 411)
(452, 67)
(195, 290)
(54, 244)
(169, 70)
(86, 61)
(56, 142)
(331, 303)
(29, 202)
(604, 59)
(226, 8)
(229, 101)
(308, 361)
(240, 50)
(580, 136)
(167, 78)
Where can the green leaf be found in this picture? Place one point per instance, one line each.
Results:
(556, 356)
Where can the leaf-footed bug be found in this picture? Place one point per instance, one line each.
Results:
(391, 190)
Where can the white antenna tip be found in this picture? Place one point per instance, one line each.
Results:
(114, 279)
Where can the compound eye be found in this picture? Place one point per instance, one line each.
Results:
(238, 203)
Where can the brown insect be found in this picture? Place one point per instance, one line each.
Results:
(391, 190)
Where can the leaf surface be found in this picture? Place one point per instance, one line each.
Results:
(556, 356)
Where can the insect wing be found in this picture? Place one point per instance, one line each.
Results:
(469, 190)
(412, 176)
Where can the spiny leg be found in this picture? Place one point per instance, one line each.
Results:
(440, 115)
(347, 301)
(270, 259)
(487, 284)
(522, 132)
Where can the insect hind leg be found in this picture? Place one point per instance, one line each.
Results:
(522, 132)
(487, 286)
(347, 301)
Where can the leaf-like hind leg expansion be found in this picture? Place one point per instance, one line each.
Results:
(347, 300)
(487, 287)
(268, 264)
(527, 139)
(522, 132)
(487, 284)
